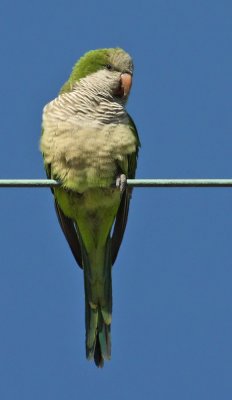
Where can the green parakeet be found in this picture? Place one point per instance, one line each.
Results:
(90, 144)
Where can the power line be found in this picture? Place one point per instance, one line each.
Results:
(177, 183)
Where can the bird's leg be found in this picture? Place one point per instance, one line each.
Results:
(121, 182)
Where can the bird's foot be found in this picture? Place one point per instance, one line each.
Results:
(121, 182)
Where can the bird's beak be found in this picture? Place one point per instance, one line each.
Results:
(124, 85)
(126, 82)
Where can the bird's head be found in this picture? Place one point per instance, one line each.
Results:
(109, 69)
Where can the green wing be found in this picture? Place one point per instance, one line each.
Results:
(67, 225)
(69, 230)
(122, 214)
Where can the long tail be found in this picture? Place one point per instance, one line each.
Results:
(98, 303)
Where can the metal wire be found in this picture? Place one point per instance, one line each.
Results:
(38, 183)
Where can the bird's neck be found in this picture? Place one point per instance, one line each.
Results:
(92, 100)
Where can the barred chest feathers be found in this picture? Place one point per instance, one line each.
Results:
(84, 141)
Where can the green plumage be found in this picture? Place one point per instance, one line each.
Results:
(88, 64)
(93, 214)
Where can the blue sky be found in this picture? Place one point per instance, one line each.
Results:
(172, 318)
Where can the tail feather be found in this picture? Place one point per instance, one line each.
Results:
(98, 307)
(98, 338)
(98, 359)
(104, 338)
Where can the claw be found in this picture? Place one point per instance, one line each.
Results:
(121, 182)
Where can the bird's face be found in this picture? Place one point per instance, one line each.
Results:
(109, 70)
(120, 70)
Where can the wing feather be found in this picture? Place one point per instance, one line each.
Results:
(123, 210)
(68, 226)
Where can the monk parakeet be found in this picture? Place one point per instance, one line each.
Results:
(90, 144)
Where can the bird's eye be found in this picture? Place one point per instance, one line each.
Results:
(109, 67)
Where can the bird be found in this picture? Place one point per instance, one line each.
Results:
(90, 144)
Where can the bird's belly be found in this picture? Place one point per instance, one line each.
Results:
(94, 212)
(87, 157)
(91, 200)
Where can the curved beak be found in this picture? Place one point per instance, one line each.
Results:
(126, 83)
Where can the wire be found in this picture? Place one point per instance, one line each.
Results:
(38, 183)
